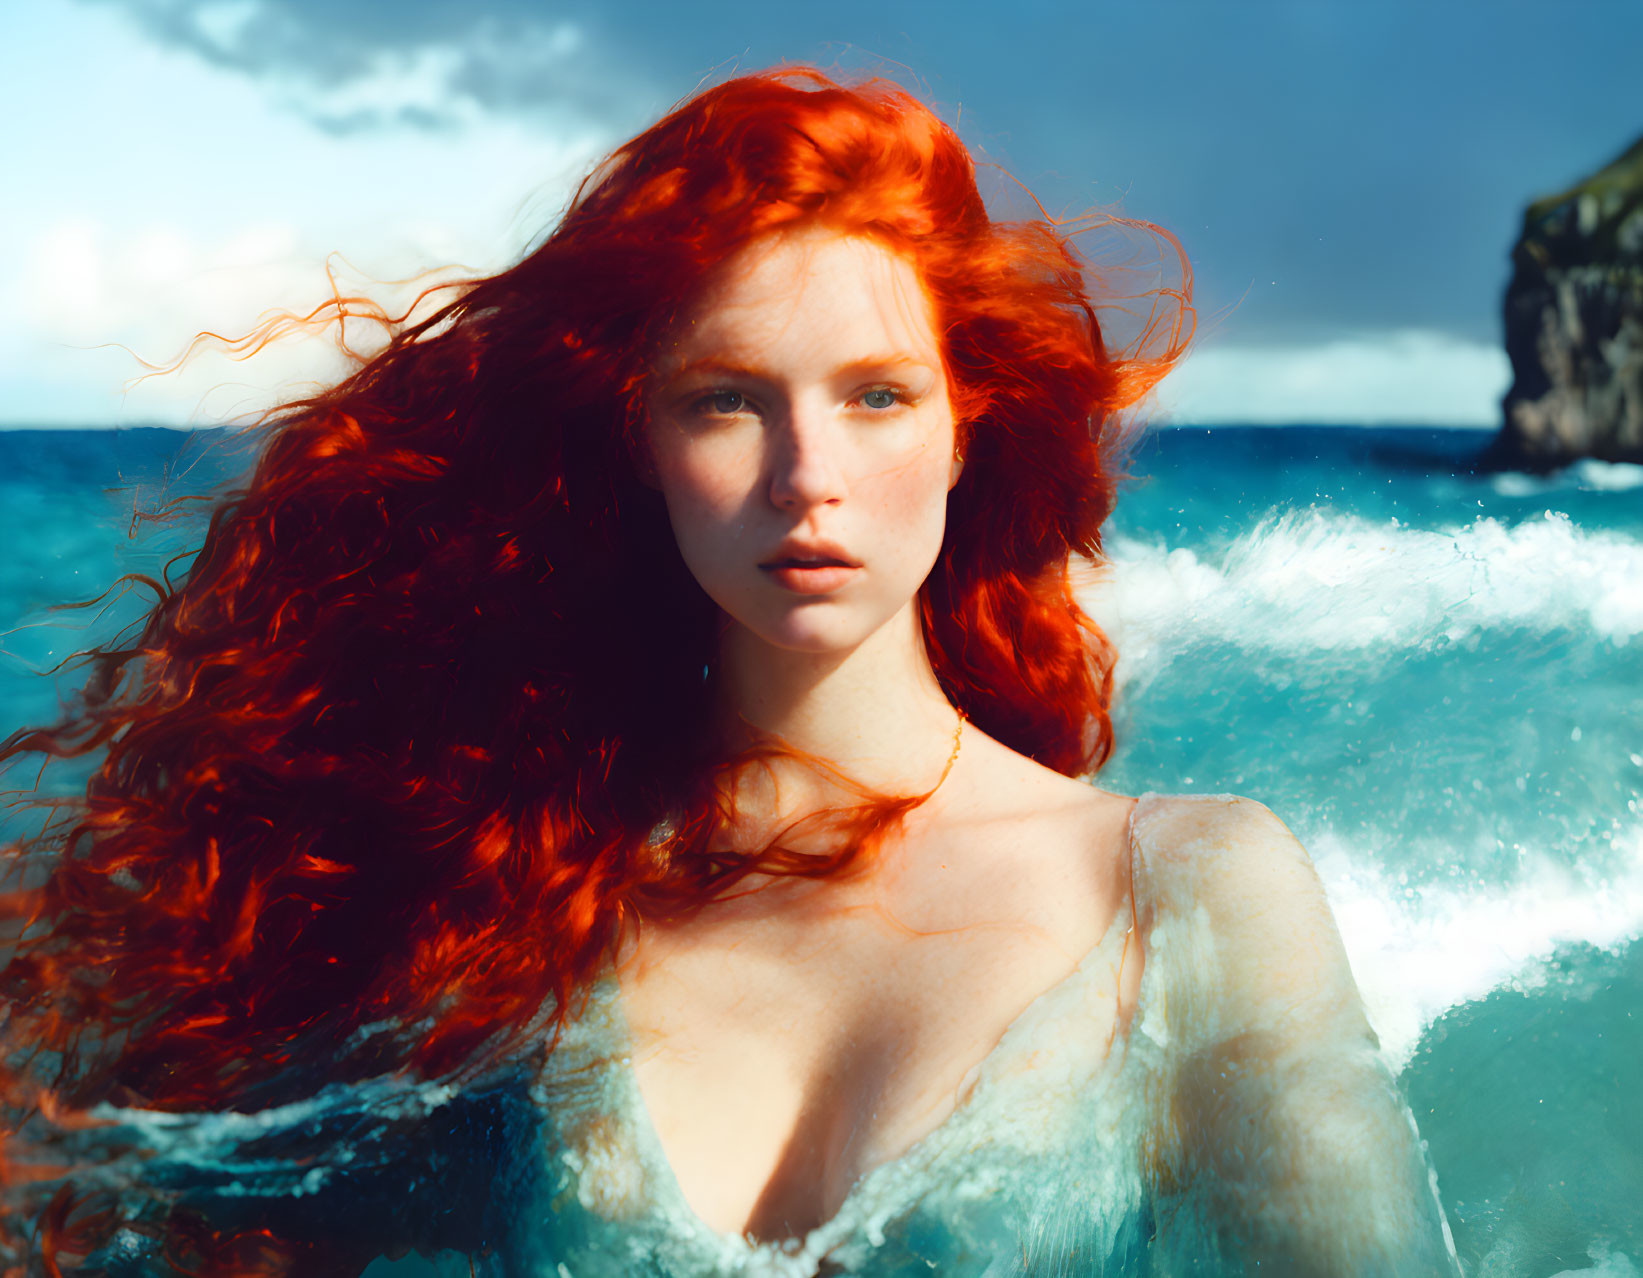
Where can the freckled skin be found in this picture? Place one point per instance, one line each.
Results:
(788, 1040)
(805, 397)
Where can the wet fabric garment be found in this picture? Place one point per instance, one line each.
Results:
(1039, 1165)
(1070, 1152)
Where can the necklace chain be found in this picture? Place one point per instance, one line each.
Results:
(958, 742)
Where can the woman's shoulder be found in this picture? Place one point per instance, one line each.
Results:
(1215, 837)
(1224, 874)
(1230, 858)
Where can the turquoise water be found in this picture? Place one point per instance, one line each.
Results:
(1435, 678)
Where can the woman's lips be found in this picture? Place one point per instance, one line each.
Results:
(804, 577)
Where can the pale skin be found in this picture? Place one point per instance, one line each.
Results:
(791, 1040)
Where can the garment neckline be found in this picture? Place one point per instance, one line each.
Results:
(644, 1129)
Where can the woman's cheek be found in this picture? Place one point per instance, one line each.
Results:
(917, 491)
(702, 485)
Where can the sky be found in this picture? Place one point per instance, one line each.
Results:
(1347, 178)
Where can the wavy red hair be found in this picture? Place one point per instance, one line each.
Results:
(394, 752)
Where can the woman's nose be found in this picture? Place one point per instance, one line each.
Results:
(805, 469)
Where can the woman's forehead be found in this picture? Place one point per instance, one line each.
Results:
(815, 283)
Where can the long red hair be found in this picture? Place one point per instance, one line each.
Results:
(397, 752)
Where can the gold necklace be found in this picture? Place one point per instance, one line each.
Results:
(958, 741)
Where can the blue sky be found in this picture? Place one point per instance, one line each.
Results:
(1347, 178)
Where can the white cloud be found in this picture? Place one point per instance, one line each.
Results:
(103, 298)
(224, 25)
(180, 198)
(1411, 376)
(393, 82)
(424, 65)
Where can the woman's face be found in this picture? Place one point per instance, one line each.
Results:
(801, 434)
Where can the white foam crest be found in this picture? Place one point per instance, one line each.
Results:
(1316, 580)
(1589, 475)
(1605, 1264)
(364, 1114)
(1417, 953)
(1607, 476)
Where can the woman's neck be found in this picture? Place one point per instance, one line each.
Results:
(876, 712)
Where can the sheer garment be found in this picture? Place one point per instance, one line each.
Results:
(1243, 1120)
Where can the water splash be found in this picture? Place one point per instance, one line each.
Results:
(1416, 954)
(1308, 581)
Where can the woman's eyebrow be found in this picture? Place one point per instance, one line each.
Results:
(885, 363)
(720, 364)
(715, 366)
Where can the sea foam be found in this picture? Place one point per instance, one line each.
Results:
(1320, 588)
(1317, 580)
(1416, 954)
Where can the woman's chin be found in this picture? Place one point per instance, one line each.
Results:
(815, 641)
(811, 632)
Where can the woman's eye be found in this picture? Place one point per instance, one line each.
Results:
(880, 398)
(722, 403)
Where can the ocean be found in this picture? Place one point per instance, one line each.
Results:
(1435, 677)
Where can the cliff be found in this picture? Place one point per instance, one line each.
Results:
(1574, 325)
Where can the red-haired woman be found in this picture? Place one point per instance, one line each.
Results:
(606, 797)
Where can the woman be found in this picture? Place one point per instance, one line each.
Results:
(602, 800)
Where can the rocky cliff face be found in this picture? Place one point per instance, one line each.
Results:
(1574, 324)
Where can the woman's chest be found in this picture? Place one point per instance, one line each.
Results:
(781, 1060)
(1043, 1145)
